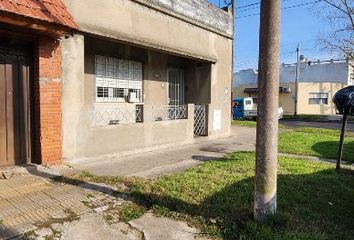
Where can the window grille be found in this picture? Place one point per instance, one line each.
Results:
(318, 98)
(118, 80)
(176, 87)
(118, 116)
(169, 112)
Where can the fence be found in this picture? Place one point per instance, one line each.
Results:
(117, 116)
(169, 112)
(201, 120)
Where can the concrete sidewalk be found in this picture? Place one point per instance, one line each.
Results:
(37, 205)
(167, 161)
(41, 203)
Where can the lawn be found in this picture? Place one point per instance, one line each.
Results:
(314, 201)
(250, 123)
(244, 123)
(318, 142)
(322, 143)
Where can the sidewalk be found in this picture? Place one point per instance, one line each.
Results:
(40, 206)
(167, 161)
(40, 203)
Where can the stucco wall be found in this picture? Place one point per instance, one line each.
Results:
(136, 23)
(304, 92)
(337, 72)
(161, 40)
(82, 138)
(197, 11)
(286, 99)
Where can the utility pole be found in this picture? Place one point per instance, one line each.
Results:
(265, 202)
(297, 75)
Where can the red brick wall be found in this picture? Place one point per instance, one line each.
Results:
(47, 102)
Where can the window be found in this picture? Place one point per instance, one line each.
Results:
(318, 98)
(118, 80)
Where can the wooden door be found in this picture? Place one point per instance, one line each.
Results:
(14, 107)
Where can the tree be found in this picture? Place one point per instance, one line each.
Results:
(339, 15)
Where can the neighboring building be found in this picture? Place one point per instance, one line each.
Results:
(30, 85)
(318, 82)
(138, 75)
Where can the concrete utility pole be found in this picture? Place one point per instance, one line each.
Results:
(265, 203)
(297, 78)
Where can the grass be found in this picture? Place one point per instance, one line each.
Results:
(70, 217)
(322, 143)
(244, 123)
(250, 123)
(317, 142)
(314, 201)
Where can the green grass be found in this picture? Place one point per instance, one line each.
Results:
(317, 142)
(244, 123)
(314, 201)
(250, 123)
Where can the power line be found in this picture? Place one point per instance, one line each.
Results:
(284, 8)
(254, 6)
(249, 5)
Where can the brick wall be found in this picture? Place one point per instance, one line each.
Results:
(47, 102)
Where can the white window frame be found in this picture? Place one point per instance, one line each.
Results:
(115, 75)
(318, 98)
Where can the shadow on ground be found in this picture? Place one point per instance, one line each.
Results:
(304, 212)
(329, 150)
(325, 211)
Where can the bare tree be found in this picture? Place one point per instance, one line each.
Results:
(339, 15)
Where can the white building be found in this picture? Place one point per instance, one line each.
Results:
(318, 82)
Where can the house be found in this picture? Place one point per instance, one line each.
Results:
(136, 75)
(30, 80)
(318, 82)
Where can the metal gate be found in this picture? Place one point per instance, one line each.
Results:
(200, 120)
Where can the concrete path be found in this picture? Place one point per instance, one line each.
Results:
(172, 160)
(92, 227)
(155, 228)
(39, 206)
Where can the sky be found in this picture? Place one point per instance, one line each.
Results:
(300, 24)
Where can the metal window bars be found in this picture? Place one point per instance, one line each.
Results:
(117, 116)
(169, 112)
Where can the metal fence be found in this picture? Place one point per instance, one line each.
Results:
(200, 120)
(169, 112)
(117, 116)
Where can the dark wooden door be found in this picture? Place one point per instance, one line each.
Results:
(14, 106)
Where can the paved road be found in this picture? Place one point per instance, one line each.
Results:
(328, 125)
(171, 160)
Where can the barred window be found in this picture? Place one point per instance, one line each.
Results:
(118, 80)
(318, 98)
